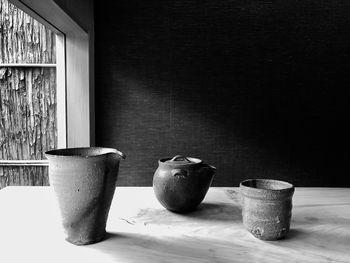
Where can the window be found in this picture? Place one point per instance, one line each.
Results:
(79, 71)
(74, 75)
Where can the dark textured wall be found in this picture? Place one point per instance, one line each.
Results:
(256, 88)
(81, 11)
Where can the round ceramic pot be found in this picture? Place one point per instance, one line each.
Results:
(84, 180)
(181, 183)
(267, 207)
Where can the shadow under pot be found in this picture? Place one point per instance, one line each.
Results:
(181, 183)
(267, 207)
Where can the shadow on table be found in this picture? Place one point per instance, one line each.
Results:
(138, 247)
(206, 211)
(135, 247)
(216, 211)
(321, 205)
(334, 242)
(294, 234)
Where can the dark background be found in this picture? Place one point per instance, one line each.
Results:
(255, 88)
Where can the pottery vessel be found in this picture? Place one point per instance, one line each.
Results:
(181, 183)
(84, 180)
(267, 207)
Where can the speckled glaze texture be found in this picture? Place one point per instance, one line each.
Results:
(181, 187)
(84, 181)
(266, 207)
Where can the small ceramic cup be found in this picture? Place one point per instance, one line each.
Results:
(267, 207)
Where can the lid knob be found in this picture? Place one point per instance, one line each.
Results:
(179, 158)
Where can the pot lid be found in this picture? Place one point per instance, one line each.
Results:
(182, 160)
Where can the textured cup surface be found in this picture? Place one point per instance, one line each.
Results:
(267, 207)
(84, 181)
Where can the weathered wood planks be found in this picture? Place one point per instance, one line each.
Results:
(23, 39)
(27, 95)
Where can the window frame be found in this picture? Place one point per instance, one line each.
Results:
(75, 72)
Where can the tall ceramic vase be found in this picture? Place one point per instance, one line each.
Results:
(84, 180)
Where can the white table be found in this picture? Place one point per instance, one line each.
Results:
(141, 230)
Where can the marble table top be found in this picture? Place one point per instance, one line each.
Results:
(141, 230)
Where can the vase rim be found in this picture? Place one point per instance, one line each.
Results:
(266, 187)
(83, 152)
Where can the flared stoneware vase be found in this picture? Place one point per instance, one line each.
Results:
(267, 207)
(84, 180)
(181, 183)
